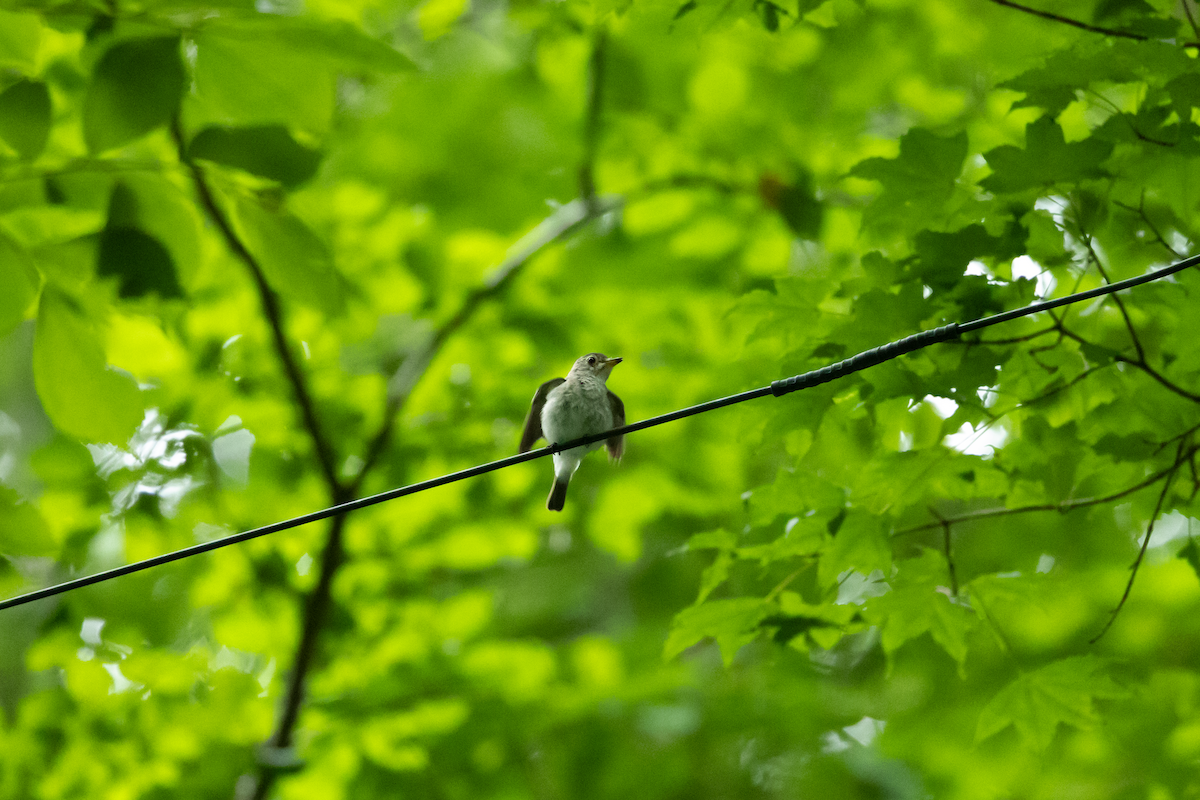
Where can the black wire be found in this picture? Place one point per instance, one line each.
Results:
(868, 358)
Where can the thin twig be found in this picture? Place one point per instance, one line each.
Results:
(1074, 23)
(1069, 505)
(1044, 396)
(1133, 570)
(1016, 339)
(1143, 366)
(949, 554)
(1095, 259)
(1141, 212)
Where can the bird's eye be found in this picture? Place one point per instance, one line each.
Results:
(592, 360)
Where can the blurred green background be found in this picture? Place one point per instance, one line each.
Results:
(259, 258)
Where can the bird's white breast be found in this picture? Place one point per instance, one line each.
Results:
(576, 408)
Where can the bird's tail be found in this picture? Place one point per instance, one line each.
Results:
(558, 495)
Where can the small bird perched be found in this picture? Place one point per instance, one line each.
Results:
(568, 408)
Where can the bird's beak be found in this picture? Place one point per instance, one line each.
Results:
(612, 362)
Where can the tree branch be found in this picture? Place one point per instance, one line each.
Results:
(1064, 507)
(1142, 365)
(1137, 563)
(1016, 339)
(565, 220)
(1141, 212)
(318, 601)
(1074, 23)
(271, 309)
(1095, 258)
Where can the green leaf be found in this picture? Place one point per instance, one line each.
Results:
(1046, 160)
(243, 80)
(83, 397)
(861, 544)
(268, 151)
(1191, 554)
(38, 226)
(20, 38)
(335, 42)
(295, 261)
(715, 574)
(1057, 83)
(943, 257)
(135, 88)
(23, 531)
(18, 284)
(158, 207)
(1037, 702)
(140, 261)
(1185, 93)
(914, 610)
(25, 117)
(733, 623)
(921, 603)
(918, 181)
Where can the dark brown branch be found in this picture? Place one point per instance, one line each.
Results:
(271, 309)
(315, 610)
(1064, 507)
(1074, 23)
(1137, 563)
(1143, 366)
(319, 599)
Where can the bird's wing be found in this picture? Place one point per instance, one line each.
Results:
(533, 422)
(616, 444)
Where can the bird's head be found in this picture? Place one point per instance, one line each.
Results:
(595, 364)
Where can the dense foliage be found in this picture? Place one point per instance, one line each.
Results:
(259, 258)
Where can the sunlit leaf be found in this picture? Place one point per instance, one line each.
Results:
(20, 36)
(733, 623)
(81, 395)
(1037, 702)
(17, 284)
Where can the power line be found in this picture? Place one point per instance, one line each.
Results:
(868, 358)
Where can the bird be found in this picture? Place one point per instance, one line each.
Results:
(567, 408)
